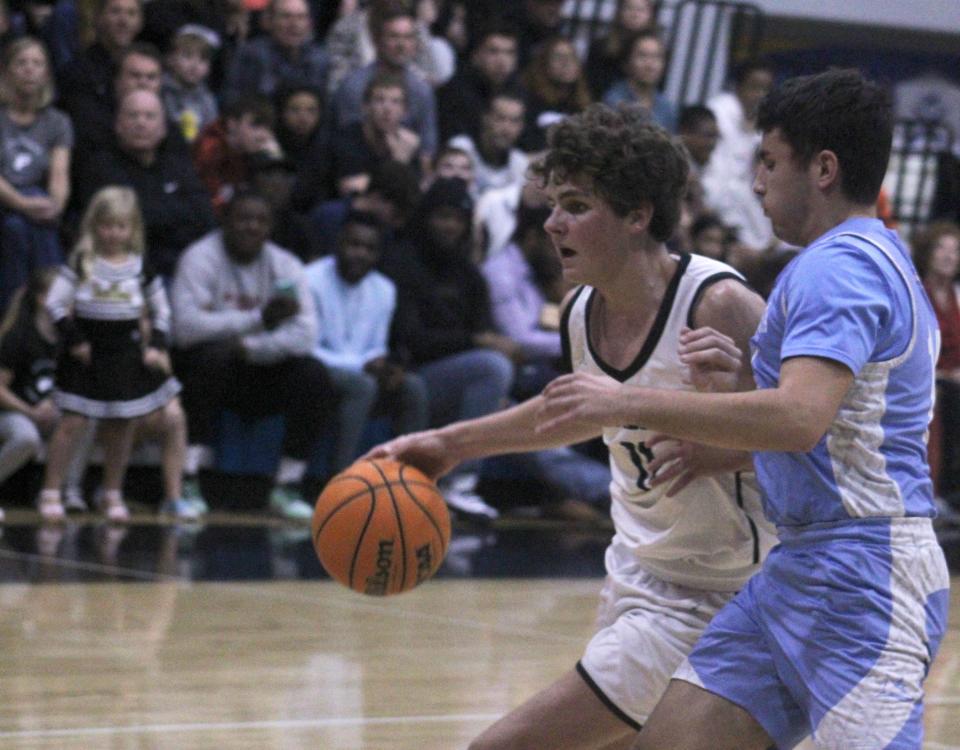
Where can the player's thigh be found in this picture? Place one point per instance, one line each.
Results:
(567, 714)
(691, 718)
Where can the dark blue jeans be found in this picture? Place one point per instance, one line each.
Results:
(24, 248)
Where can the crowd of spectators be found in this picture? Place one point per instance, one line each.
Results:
(334, 196)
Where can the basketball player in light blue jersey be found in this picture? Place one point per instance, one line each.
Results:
(836, 633)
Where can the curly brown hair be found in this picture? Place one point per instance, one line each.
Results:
(626, 159)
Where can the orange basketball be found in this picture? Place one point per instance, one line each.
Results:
(381, 527)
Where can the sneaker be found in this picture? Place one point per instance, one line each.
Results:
(194, 498)
(287, 502)
(73, 500)
(179, 508)
(50, 507)
(461, 495)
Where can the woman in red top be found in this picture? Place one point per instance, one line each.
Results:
(937, 255)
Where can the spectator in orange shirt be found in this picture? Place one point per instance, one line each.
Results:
(222, 151)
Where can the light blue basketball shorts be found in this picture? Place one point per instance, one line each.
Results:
(834, 636)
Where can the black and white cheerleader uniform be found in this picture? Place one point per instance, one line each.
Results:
(120, 309)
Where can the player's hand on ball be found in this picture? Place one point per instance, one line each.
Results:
(713, 358)
(426, 450)
(680, 462)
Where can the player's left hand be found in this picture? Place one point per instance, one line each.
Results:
(713, 359)
(680, 462)
(579, 401)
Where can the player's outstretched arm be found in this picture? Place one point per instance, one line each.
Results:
(513, 430)
(792, 417)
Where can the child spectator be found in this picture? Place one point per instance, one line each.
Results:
(643, 64)
(355, 306)
(186, 97)
(28, 351)
(378, 136)
(112, 367)
(35, 146)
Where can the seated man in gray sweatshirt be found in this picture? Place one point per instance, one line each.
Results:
(244, 328)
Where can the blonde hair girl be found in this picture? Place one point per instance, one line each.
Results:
(112, 314)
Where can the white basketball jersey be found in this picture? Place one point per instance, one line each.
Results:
(712, 535)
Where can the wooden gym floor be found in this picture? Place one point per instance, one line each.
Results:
(229, 635)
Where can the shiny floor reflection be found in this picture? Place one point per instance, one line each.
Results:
(89, 550)
(160, 636)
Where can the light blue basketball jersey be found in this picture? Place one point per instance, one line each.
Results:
(837, 631)
(853, 296)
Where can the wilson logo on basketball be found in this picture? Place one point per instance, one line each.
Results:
(425, 566)
(377, 583)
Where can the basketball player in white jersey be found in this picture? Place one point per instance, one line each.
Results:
(687, 538)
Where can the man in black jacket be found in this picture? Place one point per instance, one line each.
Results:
(176, 207)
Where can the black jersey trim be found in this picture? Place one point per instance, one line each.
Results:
(656, 331)
(706, 284)
(565, 350)
(614, 709)
(753, 525)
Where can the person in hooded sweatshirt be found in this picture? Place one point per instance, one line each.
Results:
(444, 326)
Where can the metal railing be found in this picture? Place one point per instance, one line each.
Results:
(703, 38)
(919, 148)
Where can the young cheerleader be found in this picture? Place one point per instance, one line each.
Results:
(113, 318)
